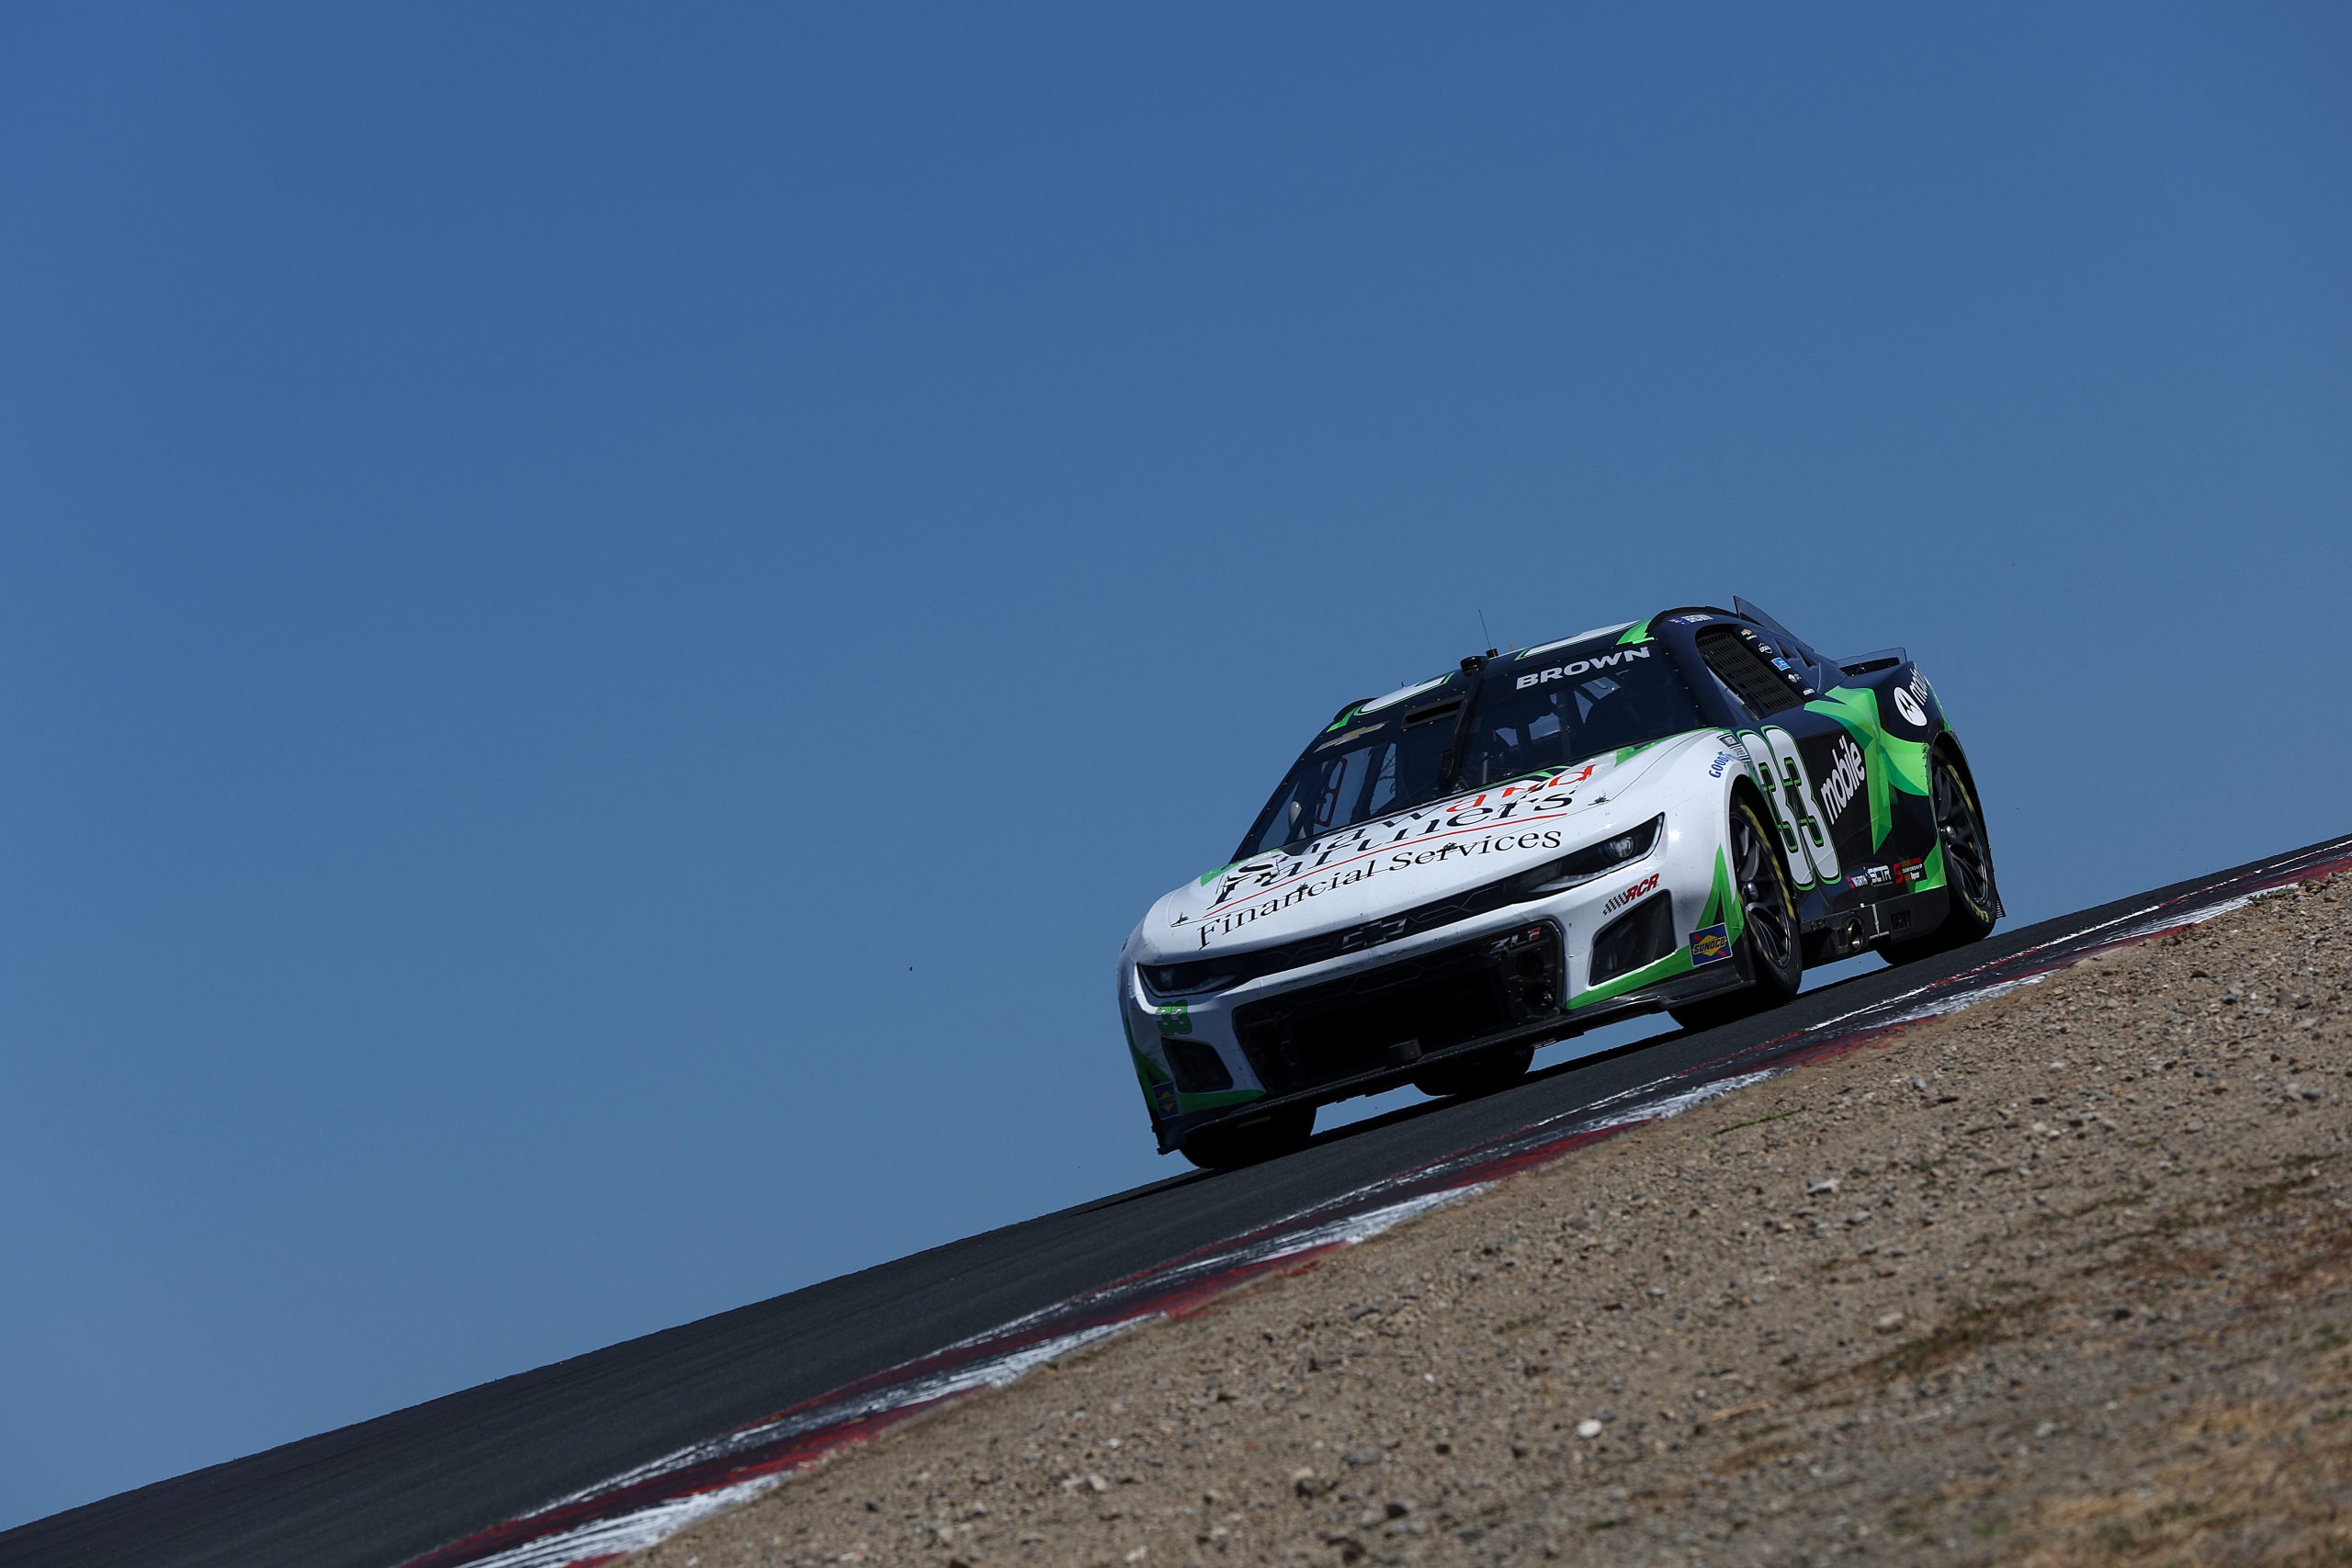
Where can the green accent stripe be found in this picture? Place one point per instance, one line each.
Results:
(1722, 908)
(1147, 1072)
(1150, 1075)
(1725, 904)
(1639, 632)
(1673, 963)
(1891, 762)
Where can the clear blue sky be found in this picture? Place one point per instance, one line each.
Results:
(610, 614)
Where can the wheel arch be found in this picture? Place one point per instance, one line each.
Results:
(1743, 787)
(1947, 744)
(1736, 788)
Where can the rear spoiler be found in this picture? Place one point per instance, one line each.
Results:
(1863, 663)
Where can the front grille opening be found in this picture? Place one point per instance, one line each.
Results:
(1196, 1066)
(1641, 935)
(1456, 995)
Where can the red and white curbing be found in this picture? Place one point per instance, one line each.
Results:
(647, 1504)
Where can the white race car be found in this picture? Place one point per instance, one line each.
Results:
(1675, 813)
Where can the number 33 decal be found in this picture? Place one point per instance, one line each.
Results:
(1804, 833)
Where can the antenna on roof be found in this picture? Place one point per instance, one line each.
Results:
(1484, 637)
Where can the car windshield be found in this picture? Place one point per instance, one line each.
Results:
(1532, 713)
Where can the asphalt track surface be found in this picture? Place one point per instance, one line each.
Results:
(379, 1492)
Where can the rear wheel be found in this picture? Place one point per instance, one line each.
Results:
(1482, 1074)
(1968, 869)
(1769, 905)
(1266, 1138)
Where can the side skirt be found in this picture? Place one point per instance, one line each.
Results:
(1873, 921)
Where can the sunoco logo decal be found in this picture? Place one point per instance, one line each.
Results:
(1563, 671)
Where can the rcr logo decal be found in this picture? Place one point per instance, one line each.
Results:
(1641, 889)
(1581, 665)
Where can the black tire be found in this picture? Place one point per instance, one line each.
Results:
(1482, 1074)
(1976, 901)
(1768, 903)
(1276, 1133)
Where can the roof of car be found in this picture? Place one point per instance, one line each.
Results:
(1373, 704)
(1436, 683)
(1581, 636)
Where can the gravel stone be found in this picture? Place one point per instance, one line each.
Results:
(2099, 1311)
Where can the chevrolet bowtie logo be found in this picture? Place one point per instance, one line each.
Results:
(1378, 931)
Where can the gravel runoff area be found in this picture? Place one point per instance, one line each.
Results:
(2065, 1278)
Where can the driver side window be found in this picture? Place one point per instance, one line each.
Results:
(1383, 784)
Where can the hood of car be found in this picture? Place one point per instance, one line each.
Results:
(1345, 878)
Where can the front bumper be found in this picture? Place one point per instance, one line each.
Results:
(1394, 1015)
(1171, 1131)
(1526, 974)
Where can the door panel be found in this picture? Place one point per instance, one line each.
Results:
(1777, 761)
(1840, 769)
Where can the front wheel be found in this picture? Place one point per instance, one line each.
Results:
(1262, 1138)
(1769, 907)
(1974, 904)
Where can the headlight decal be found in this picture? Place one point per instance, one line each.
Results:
(1595, 860)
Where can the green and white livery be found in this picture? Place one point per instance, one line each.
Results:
(1676, 813)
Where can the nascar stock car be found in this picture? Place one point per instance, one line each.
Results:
(1678, 813)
